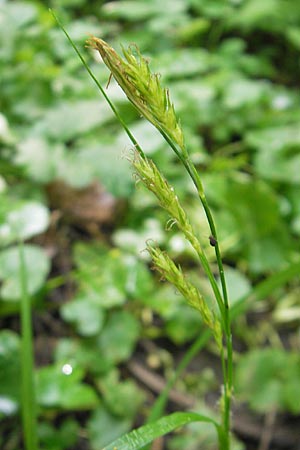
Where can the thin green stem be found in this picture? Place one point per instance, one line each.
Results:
(29, 418)
(197, 182)
(191, 169)
(110, 103)
(217, 250)
(222, 302)
(225, 311)
(213, 283)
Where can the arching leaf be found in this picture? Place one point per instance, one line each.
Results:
(137, 439)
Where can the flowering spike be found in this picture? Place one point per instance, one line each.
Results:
(153, 180)
(168, 269)
(142, 88)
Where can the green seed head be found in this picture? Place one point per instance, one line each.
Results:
(168, 269)
(153, 180)
(142, 88)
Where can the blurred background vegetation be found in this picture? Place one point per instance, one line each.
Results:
(107, 332)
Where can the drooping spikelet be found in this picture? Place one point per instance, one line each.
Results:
(142, 88)
(153, 180)
(168, 269)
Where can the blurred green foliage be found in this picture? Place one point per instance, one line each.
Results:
(233, 71)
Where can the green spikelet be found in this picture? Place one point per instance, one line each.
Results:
(142, 88)
(168, 269)
(153, 180)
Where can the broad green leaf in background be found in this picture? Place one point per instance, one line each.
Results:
(45, 162)
(15, 15)
(122, 398)
(101, 275)
(103, 427)
(98, 354)
(39, 158)
(164, 300)
(267, 287)
(137, 10)
(293, 195)
(287, 311)
(214, 9)
(242, 92)
(278, 152)
(23, 221)
(195, 102)
(130, 10)
(68, 120)
(54, 438)
(134, 240)
(9, 372)
(120, 327)
(5, 131)
(61, 387)
(85, 315)
(104, 162)
(183, 325)
(82, 353)
(109, 277)
(182, 63)
(268, 16)
(293, 35)
(238, 284)
(147, 136)
(252, 209)
(268, 378)
(37, 269)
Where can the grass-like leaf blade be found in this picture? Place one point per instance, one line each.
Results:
(138, 438)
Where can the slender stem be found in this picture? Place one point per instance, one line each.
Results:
(213, 283)
(222, 303)
(191, 169)
(197, 182)
(29, 418)
(225, 311)
(110, 103)
(217, 249)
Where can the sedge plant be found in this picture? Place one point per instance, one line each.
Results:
(145, 91)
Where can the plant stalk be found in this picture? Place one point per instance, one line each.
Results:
(106, 97)
(223, 304)
(227, 368)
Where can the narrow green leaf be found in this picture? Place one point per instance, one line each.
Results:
(136, 439)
